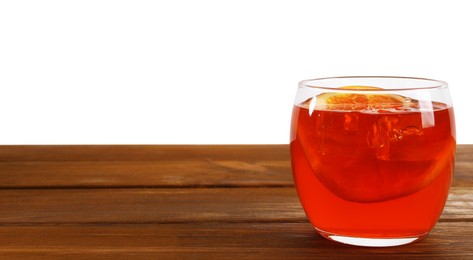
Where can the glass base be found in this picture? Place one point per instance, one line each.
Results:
(372, 242)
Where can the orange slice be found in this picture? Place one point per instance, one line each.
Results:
(358, 101)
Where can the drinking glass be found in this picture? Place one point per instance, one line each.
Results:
(373, 157)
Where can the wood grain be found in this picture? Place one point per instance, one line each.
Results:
(183, 173)
(216, 240)
(162, 166)
(22, 153)
(150, 205)
(174, 205)
(14, 153)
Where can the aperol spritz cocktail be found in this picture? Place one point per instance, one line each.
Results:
(373, 157)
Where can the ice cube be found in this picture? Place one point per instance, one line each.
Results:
(385, 131)
(351, 122)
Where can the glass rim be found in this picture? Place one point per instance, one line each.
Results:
(436, 84)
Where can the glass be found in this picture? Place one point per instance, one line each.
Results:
(373, 157)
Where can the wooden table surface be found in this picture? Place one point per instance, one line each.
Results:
(196, 201)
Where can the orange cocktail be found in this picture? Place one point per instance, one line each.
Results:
(372, 164)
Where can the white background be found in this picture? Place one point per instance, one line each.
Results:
(216, 72)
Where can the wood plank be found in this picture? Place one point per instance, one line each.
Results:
(150, 205)
(196, 166)
(14, 153)
(45, 206)
(216, 240)
(183, 173)
(209, 173)
(191, 173)
(29, 153)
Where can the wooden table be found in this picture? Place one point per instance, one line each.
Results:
(224, 201)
